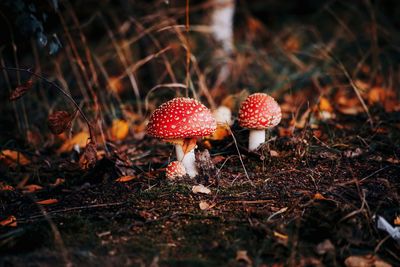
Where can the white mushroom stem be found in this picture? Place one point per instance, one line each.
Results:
(256, 138)
(188, 160)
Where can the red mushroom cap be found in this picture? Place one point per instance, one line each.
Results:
(175, 169)
(259, 111)
(181, 118)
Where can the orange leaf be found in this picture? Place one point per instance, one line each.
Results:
(115, 85)
(119, 130)
(397, 220)
(285, 131)
(80, 139)
(319, 196)
(9, 221)
(11, 157)
(58, 182)
(47, 201)
(5, 187)
(220, 133)
(292, 44)
(125, 178)
(325, 105)
(280, 236)
(30, 188)
(188, 145)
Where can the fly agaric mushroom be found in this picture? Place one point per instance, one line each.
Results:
(258, 113)
(180, 121)
(175, 169)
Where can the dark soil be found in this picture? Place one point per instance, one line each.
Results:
(315, 192)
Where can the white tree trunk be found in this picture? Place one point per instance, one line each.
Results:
(222, 23)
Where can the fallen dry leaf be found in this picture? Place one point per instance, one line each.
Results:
(292, 44)
(324, 247)
(58, 182)
(119, 130)
(9, 221)
(89, 157)
(353, 154)
(47, 201)
(5, 187)
(303, 120)
(12, 157)
(241, 255)
(386, 97)
(233, 101)
(319, 196)
(365, 261)
(361, 85)
(21, 90)
(30, 188)
(220, 133)
(200, 189)
(125, 178)
(188, 144)
(280, 236)
(397, 220)
(115, 85)
(205, 206)
(79, 139)
(59, 121)
(273, 153)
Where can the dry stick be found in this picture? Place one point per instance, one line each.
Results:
(187, 48)
(78, 60)
(24, 115)
(84, 45)
(240, 157)
(79, 208)
(57, 237)
(134, 67)
(8, 83)
(61, 90)
(11, 34)
(353, 85)
(167, 64)
(94, 76)
(104, 72)
(203, 83)
(38, 68)
(124, 61)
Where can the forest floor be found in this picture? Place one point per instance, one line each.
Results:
(309, 199)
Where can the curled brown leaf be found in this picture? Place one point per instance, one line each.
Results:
(21, 90)
(89, 156)
(59, 121)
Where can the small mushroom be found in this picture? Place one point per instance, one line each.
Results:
(180, 121)
(175, 169)
(223, 115)
(258, 113)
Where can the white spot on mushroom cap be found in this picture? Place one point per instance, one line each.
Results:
(259, 111)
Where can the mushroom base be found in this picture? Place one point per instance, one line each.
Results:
(256, 138)
(188, 160)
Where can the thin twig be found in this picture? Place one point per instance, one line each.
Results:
(79, 208)
(61, 90)
(353, 85)
(240, 157)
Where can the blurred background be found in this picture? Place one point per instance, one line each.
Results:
(121, 59)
